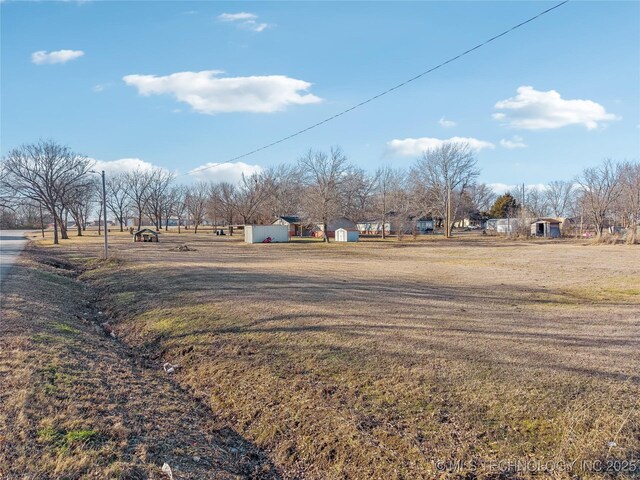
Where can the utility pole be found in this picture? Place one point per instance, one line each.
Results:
(104, 204)
(41, 220)
(448, 226)
(523, 212)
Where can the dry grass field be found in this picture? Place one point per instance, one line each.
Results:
(76, 404)
(416, 359)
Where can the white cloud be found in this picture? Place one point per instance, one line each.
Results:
(446, 123)
(234, 17)
(244, 20)
(207, 93)
(515, 142)
(224, 172)
(43, 57)
(531, 109)
(255, 26)
(501, 188)
(415, 146)
(112, 167)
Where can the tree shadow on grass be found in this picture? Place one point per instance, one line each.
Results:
(502, 328)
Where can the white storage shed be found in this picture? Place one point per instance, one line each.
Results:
(344, 235)
(259, 233)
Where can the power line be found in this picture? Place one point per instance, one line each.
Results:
(381, 94)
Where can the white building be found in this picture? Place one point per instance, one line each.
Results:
(266, 233)
(344, 235)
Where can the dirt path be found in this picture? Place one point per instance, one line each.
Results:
(75, 403)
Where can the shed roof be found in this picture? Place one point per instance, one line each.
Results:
(290, 218)
(146, 230)
(546, 220)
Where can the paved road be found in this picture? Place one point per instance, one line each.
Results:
(11, 244)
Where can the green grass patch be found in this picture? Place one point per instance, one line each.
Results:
(57, 340)
(63, 440)
(56, 279)
(124, 298)
(64, 328)
(55, 379)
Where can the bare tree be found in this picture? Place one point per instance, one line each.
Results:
(476, 202)
(179, 196)
(168, 204)
(323, 177)
(138, 184)
(118, 200)
(600, 187)
(251, 195)
(535, 203)
(197, 198)
(156, 196)
(442, 175)
(630, 197)
(359, 192)
(214, 204)
(389, 183)
(559, 194)
(226, 193)
(402, 203)
(482, 197)
(8, 198)
(23, 214)
(48, 173)
(286, 190)
(77, 201)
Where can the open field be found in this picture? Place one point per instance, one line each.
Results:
(382, 359)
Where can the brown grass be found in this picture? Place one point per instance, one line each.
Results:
(379, 359)
(75, 403)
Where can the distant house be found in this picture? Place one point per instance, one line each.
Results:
(333, 225)
(502, 225)
(373, 227)
(95, 223)
(393, 225)
(545, 227)
(173, 222)
(473, 220)
(293, 222)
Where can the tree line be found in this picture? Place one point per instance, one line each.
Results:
(50, 179)
(605, 195)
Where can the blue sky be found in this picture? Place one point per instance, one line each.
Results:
(183, 84)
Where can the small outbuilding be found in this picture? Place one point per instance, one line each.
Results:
(266, 233)
(546, 227)
(347, 235)
(145, 235)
